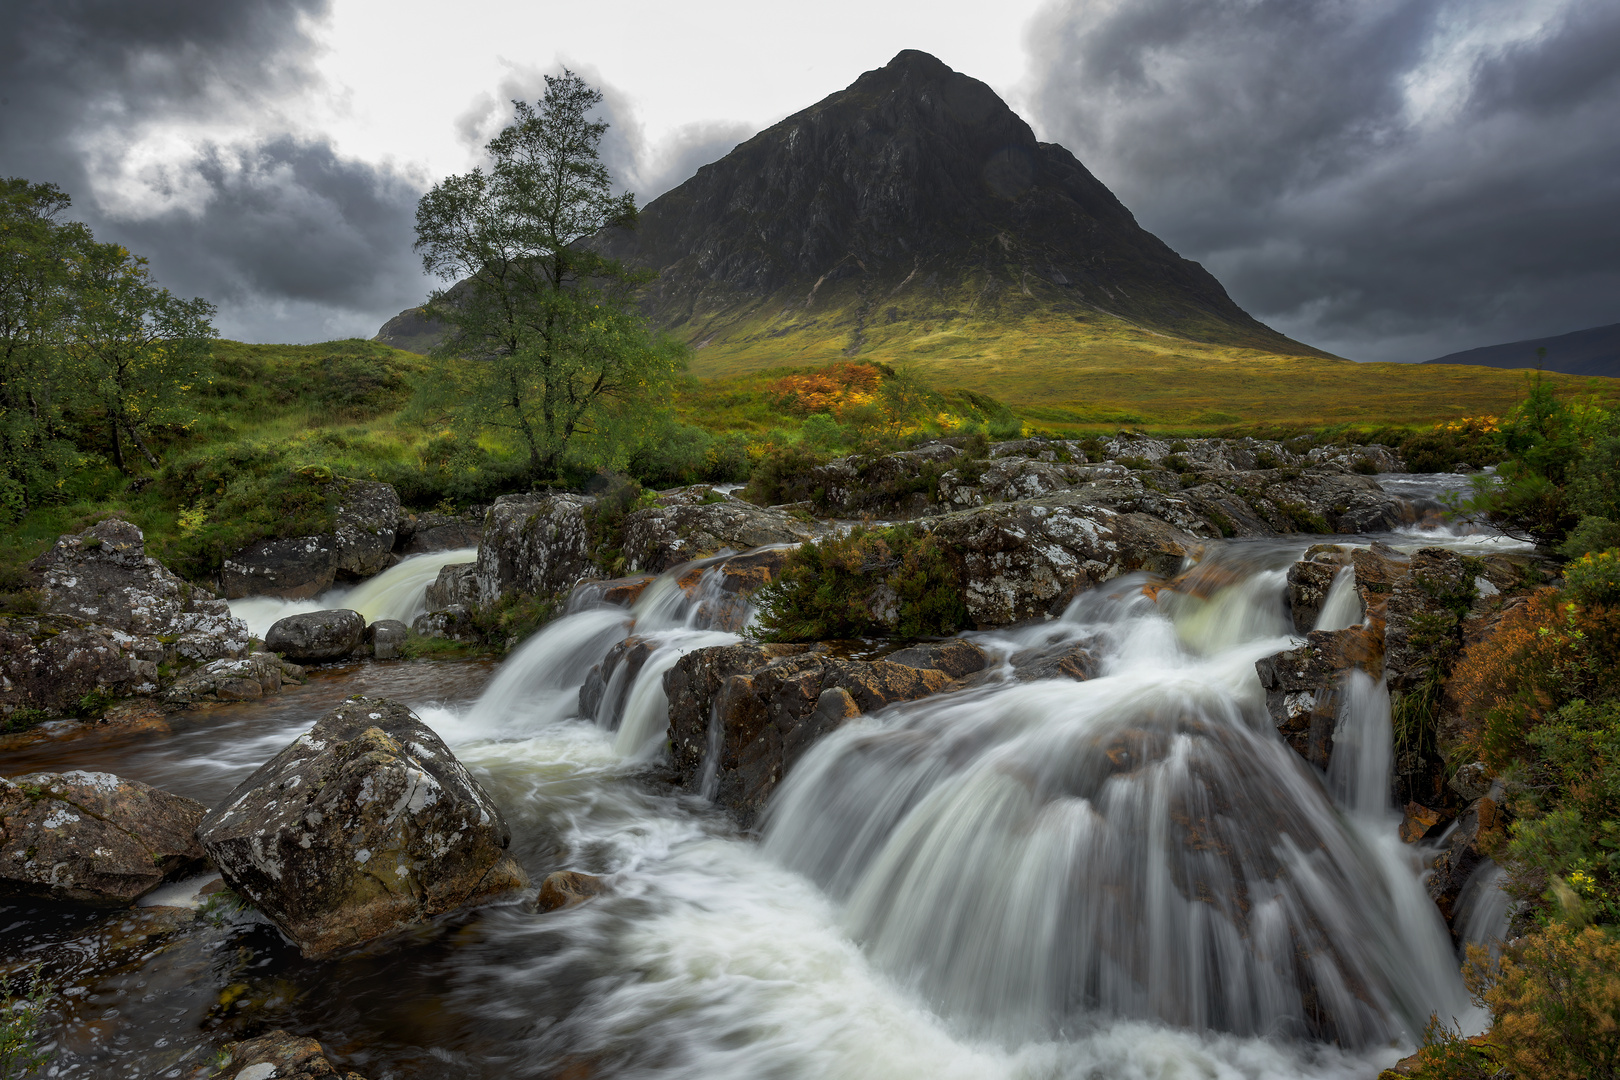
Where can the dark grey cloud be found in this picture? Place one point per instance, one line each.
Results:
(1388, 179)
(292, 241)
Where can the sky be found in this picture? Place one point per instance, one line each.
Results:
(1385, 179)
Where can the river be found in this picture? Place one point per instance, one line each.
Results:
(1126, 878)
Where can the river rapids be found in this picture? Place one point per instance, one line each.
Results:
(1131, 877)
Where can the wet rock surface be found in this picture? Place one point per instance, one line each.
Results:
(533, 545)
(1309, 581)
(248, 679)
(454, 623)
(92, 837)
(741, 715)
(385, 639)
(363, 826)
(695, 522)
(566, 889)
(313, 636)
(279, 1055)
(456, 584)
(1302, 685)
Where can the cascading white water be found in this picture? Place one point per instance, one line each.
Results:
(1484, 909)
(396, 593)
(1342, 607)
(1140, 845)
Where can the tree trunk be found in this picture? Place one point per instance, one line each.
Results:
(140, 443)
(117, 447)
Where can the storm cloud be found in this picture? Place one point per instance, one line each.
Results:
(1387, 179)
(165, 121)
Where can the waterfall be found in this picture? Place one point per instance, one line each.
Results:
(1141, 845)
(1342, 608)
(1484, 909)
(396, 593)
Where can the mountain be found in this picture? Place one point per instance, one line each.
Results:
(1584, 352)
(910, 216)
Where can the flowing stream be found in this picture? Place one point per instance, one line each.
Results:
(1129, 877)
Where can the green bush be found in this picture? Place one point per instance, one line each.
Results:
(1590, 534)
(830, 590)
(24, 1022)
(1594, 578)
(783, 476)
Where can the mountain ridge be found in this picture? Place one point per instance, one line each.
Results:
(1593, 351)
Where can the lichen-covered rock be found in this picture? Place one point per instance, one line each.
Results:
(278, 1055)
(92, 837)
(533, 545)
(697, 522)
(1423, 614)
(456, 584)
(247, 679)
(313, 636)
(741, 715)
(1024, 560)
(104, 577)
(368, 518)
(52, 663)
(363, 826)
(901, 484)
(386, 638)
(1309, 581)
(454, 623)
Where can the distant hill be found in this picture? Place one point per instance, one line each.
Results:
(911, 216)
(1585, 352)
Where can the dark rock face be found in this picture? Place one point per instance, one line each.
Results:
(697, 522)
(51, 663)
(1309, 581)
(104, 577)
(363, 826)
(619, 592)
(299, 567)
(456, 584)
(1028, 559)
(1302, 685)
(755, 709)
(386, 637)
(897, 191)
(314, 636)
(454, 623)
(607, 687)
(281, 1055)
(957, 658)
(533, 546)
(427, 532)
(1479, 827)
(92, 837)
(248, 679)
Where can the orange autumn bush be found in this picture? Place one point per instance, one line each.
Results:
(831, 389)
(1550, 651)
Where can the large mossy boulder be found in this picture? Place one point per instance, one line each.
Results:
(363, 826)
(533, 545)
(360, 544)
(92, 837)
(696, 522)
(52, 664)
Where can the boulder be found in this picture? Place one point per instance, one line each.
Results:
(903, 484)
(104, 577)
(363, 826)
(1423, 614)
(606, 688)
(957, 657)
(278, 1055)
(1302, 685)
(420, 534)
(454, 623)
(313, 636)
(741, 715)
(368, 518)
(455, 584)
(292, 568)
(54, 664)
(386, 638)
(248, 679)
(566, 889)
(92, 837)
(1024, 560)
(533, 545)
(1309, 581)
(697, 522)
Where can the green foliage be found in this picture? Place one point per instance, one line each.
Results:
(1304, 518)
(1594, 578)
(24, 1024)
(513, 618)
(833, 589)
(1447, 1054)
(1438, 450)
(545, 341)
(783, 476)
(618, 496)
(1590, 534)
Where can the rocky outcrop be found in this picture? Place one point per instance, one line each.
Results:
(698, 521)
(431, 531)
(1302, 685)
(603, 694)
(104, 577)
(248, 679)
(1480, 828)
(363, 826)
(313, 636)
(454, 623)
(1309, 581)
(92, 837)
(618, 592)
(456, 584)
(56, 665)
(1018, 561)
(360, 544)
(741, 715)
(533, 545)
(278, 1055)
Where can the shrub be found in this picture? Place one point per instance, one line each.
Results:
(1590, 534)
(1476, 440)
(616, 497)
(23, 1022)
(1594, 578)
(783, 475)
(832, 589)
